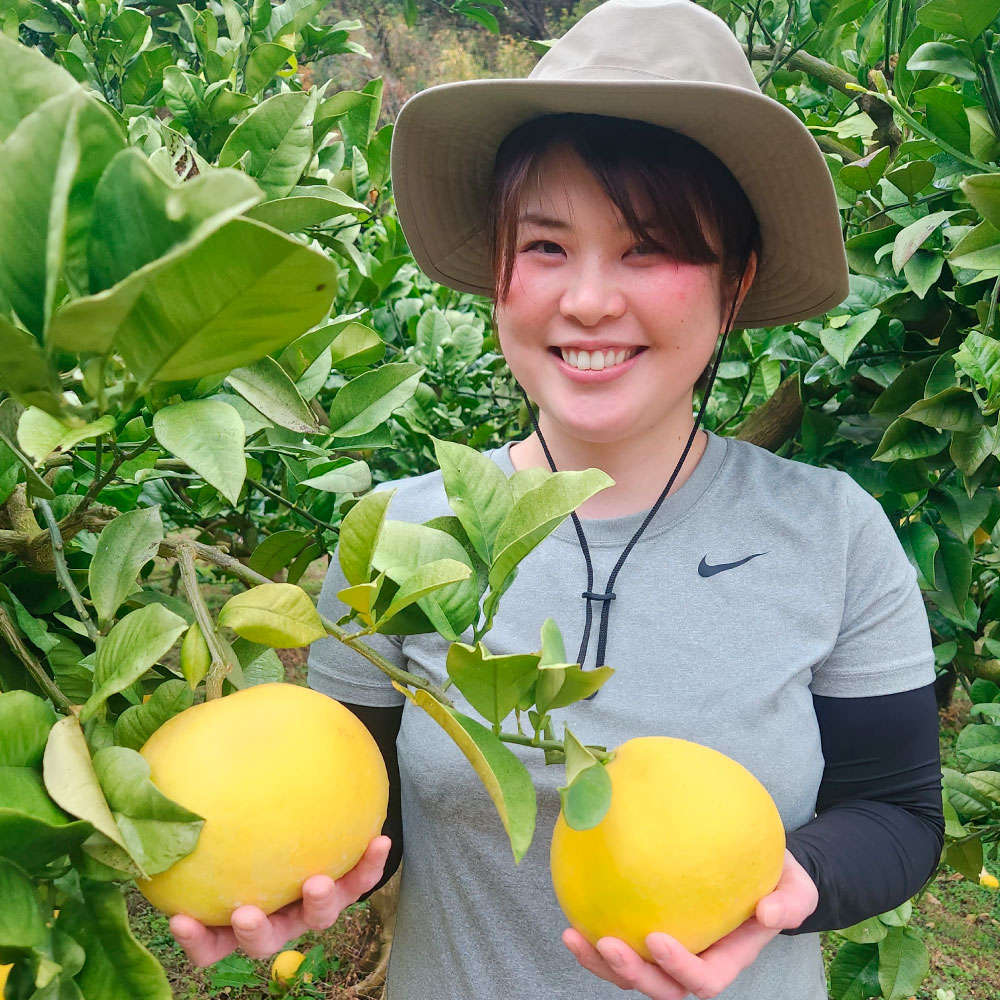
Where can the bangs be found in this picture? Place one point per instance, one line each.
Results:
(670, 190)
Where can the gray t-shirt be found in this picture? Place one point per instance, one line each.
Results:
(731, 660)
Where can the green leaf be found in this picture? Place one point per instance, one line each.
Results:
(351, 477)
(978, 745)
(954, 409)
(903, 963)
(144, 78)
(21, 922)
(278, 137)
(27, 81)
(356, 345)
(979, 358)
(158, 831)
(211, 308)
(306, 206)
(359, 535)
(267, 386)
(493, 684)
(368, 400)
(940, 57)
(263, 63)
(207, 435)
(952, 573)
(966, 19)
(403, 548)
(966, 858)
(136, 724)
(40, 434)
(911, 178)
(587, 798)
(840, 343)
(478, 492)
(279, 615)
(984, 691)
(969, 451)
(537, 513)
(33, 830)
(132, 646)
(962, 513)
(425, 580)
(25, 721)
(576, 684)
(909, 239)
(854, 972)
(905, 389)
(922, 270)
(117, 965)
(196, 657)
(26, 371)
(504, 776)
(140, 217)
(72, 783)
(907, 439)
(983, 191)
(123, 548)
(965, 798)
(260, 664)
(986, 783)
(278, 550)
(865, 172)
(866, 932)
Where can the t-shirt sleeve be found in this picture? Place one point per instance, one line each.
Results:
(341, 672)
(884, 642)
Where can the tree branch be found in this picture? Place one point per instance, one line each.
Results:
(9, 631)
(220, 666)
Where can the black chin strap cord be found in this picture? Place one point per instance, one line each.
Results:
(608, 596)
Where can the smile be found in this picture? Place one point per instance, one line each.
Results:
(596, 360)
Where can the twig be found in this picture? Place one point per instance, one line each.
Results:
(9, 631)
(62, 570)
(98, 484)
(220, 666)
(291, 506)
(173, 544)
(775, 63)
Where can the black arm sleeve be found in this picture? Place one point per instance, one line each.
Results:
(879, 825)
(383, 724)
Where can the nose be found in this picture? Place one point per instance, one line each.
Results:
(592, 294)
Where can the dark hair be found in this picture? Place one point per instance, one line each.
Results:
(690, 190)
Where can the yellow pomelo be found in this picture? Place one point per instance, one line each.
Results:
(290, 784)
(690, 843)
(285, 965)
(4, 973)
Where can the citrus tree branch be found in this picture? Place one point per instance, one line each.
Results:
(220, 666)
(13, 638)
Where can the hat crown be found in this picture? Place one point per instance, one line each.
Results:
(633, 40)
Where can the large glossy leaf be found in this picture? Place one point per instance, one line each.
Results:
(983, 190)
(25, 721)
(903, 963)
(840, 343)
(952, 573)
(348, 477)
(493, 684)
(243, 292)
(21, 923)
(116, 965)
(403, 548)
(962, 513)
(277, 139)
(273, 614)
(208, 435)
(477, 491)
(268, 387)
(264, 61)
(307, 205)
(359, 535)
(158, 832)
(978, 745)
(954, 409)
(356, 345)
(371, 398)
(424, 580)
(136, 724)
(911, 237)
(920, 543)
(979, 358)
(854, 972)
(139, 217)
(907, 439)
(123, 548)
(537, 514)
(965, 19)
(26, 372)
(27, 80)
(40, 434)
(506, 779)
(132, 646)
(586, 796)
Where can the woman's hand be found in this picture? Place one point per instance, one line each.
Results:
(260, 935)
(678, 973)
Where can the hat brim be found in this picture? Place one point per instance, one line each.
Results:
(445, 142)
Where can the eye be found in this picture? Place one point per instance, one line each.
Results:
(543, 246)
(645, 249)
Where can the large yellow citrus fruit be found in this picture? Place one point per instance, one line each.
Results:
(690, 843)
(290, 784)
(4, 973)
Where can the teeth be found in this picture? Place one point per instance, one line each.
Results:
(596, 360)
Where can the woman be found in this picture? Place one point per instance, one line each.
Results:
(750, 603)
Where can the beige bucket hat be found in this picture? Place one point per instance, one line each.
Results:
(667, 62)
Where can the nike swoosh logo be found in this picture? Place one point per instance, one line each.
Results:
(705, 570)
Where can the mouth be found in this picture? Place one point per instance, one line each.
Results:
(586, 361)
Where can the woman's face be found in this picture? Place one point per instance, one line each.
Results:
(607, 335)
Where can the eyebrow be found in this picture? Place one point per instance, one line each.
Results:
(537, 219)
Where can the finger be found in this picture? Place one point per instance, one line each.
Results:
(366, 873)
(260, 936)
(202, 945)
(591, 959)
(322, 902)
(794, 898)
(646, 977)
